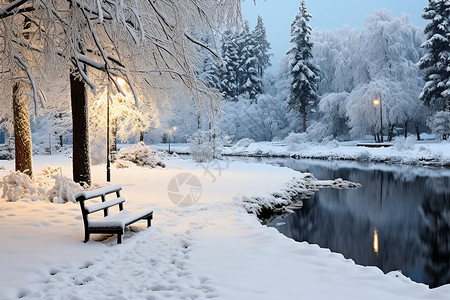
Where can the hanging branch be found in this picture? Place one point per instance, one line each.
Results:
(34, 93)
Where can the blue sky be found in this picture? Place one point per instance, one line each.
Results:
(326, 14)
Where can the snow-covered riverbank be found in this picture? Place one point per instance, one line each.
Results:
(424, 153)
(212, 249)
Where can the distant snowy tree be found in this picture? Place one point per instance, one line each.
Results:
(262, 46)
(249, 80)
(440, 124)
(333, 106)
(436, 61)
(303, 95)
(380, 58)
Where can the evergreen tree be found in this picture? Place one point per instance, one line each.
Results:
(209, 71)
(228, 77)
(262, 46)
(250, 82)
(436, 61)
(303, 94)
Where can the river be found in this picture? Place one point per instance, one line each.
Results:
(399, 220)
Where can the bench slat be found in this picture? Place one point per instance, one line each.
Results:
(103, 205)
(121, 219)
(98, 192)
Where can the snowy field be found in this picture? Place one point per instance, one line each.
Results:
(410, 152)
(212, 249)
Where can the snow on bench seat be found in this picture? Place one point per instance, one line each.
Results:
(120, 220)
(99, 192)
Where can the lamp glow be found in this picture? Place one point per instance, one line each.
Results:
(375, 241)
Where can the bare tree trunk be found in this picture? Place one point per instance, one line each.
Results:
(80, 160)
(390, 133)
(60, 137)
(22, 131)
(406, 129)
(141, 136)
(304, 121)
(418, 133)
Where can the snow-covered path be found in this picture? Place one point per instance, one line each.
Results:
(213, 249)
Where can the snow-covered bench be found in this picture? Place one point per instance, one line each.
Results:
(114, 224)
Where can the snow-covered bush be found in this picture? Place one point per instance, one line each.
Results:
(48, 184)
(200, 147)
(18, 185)
(400, 143)
(64, 190)
(440, 123)
(141, 155)
(295, 141)
(207, 145)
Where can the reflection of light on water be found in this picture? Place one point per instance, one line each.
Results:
(375, 241)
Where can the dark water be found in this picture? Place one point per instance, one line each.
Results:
(407, 207)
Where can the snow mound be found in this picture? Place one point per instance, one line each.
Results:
(401, 143)
(288, 199)
(140, 155)
(245, 142)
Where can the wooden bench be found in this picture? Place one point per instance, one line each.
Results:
(114, 224)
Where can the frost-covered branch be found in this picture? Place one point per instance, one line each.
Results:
(7, 10)
(34, 92)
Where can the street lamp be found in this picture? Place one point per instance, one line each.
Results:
(377, 102)
(108, 160)
(174, 128)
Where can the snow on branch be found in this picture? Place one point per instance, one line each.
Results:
(85, 77)
(6, 11)
(34, 93)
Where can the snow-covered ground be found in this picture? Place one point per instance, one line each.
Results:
(432, 153)
(212, 249)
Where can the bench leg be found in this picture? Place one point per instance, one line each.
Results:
(149, 222)
(119, 238)
(86, 236)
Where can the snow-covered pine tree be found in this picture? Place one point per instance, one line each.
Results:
(262, 46)
(303, 94)
(436, 61)
(249, 81)
(209, 68)
(228, 77)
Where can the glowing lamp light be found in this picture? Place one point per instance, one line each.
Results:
(174, 128)
(376, 102)
(375, 241)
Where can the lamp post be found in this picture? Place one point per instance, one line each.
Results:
(174, 128)
(378, 102)
(108, 161)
